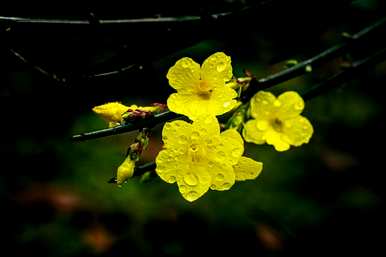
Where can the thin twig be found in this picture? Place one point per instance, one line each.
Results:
(36, 67)
(109, 73)
(141, 169)
(300, 68)
(21, 20)
(145, 122)
(344, 75)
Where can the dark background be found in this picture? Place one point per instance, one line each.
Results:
(320, 199)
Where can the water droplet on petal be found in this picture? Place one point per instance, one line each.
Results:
(277, 103)
(171, 179)
(191, 179)
(226, 185)
(298, 106)
(210, 164)
(226, 104)
(195, 135)
(183, 139)
(262, 124)
(220, 177)
(221, 67)
(213, 187)
(265, 102)
(221, 153)
(192, 195)
(182, 188)
(236, 152)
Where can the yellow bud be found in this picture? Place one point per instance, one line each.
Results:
(111, 112)
(126, 170)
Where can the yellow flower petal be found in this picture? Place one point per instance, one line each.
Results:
(169, 165)
(206, 126)
(231, 147)
(223, 176)
(291, 105)
(276, 139)
(298, 130)
(263, 105)
(195, 106)
(111, 112)
(125, 170)
(184, 75)
(194, 182)
(247, 168)
(217, 67)
(189, 105)
(252, 133)
(222, 99)
(175, 134)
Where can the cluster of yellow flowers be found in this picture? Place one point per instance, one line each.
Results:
(197, 155)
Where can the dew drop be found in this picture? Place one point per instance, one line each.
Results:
(226, 104)
(192, 195)
(210, 164)
(265, 102)
(221, 67)
(221, 153)
(262, 125)
(213, 187)
(172, 179)
(219, 177)
(183, 139)
(277, 103)
(191, 179)
(298, 106)
(226, 185)
(195, 135)
(182, 188)
(236, 152)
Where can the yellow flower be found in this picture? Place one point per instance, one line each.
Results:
(125, 170)
(201, 90)
(111, 112)
(198, 157)
(277, 121)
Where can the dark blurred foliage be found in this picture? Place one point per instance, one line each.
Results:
(324, 198)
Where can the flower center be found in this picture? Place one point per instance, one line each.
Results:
(277, 125)
(195, 152)
(204, 89)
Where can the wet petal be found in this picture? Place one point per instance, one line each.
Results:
(247, 168)
(192, 105)
(231, 147)
(194, 182)
(176, 134)
(298, 130)
(217, 67)
(278, 140)
(184, 75)
(223, 176)
(169, 165)
(253, 134)
(291, 105)
(222, 99)
(206, 126)
(263, 105)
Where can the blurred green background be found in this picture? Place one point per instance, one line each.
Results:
(325, 197)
